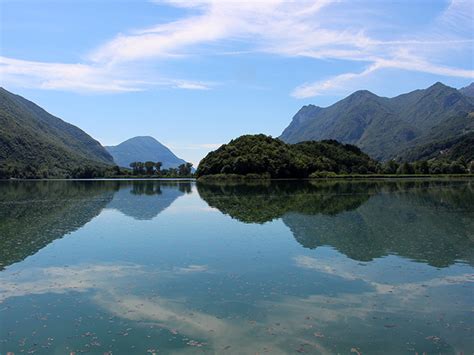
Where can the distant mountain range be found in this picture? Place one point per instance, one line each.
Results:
(412, 126)
(31, 139)
(434, 123)
(143, 149)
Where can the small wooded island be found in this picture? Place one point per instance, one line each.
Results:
(264, 156)
(261, 156)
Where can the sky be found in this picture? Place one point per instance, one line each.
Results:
(196, 73)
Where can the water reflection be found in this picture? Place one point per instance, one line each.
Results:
(148, 267)
(432, 222)
(263, 202)
(428, 221)
(35, 213)
(144, 200)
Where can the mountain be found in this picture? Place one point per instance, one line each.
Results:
(143, 149)
(468, 90)
(387, 128)
(451, 149)
(39, 144)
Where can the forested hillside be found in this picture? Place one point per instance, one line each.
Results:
(34, 143)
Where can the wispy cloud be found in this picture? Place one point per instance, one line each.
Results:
(192, 85)
(404, 62)
(85, 78)
(306, 28)
(73, 77)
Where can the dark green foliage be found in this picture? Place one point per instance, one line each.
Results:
(387, 128)
(149, 169)
(185, 169)
(447, 149)
(421, 167)
(260, 154)
(390, 167)
(405, 169)
(449, 156)
(35, 144)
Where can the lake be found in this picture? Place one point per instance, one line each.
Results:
(148, 267)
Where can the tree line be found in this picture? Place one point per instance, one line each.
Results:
(89, 171)
(427, 167)
(150, 168)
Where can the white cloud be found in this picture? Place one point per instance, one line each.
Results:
(314, 29)
(84, 78)
(283, 321)
(354, 271)
(295, 29)
(334, 83)
(403, 62)
(192, 85)
(72, 77)
(274, 26)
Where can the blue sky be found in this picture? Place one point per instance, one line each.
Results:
(197, 73)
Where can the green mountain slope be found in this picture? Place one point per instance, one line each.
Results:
(450, 149)
(143, 149)
(260, 154)
(385, 128)
(32, 141)
(468, 90)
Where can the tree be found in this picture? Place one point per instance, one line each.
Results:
(116, 170)
(390, 167)
(158, 166)
(422, 167)
(189, 167)
(172, 172)
(405, 169)
(140, 168)
(134, 167)
(149, 167)
(470, 167)
(457, 168)
(185, 169)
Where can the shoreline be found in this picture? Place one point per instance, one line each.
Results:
(243, 178)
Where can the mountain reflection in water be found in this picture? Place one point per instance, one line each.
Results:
(35, 213)
(280, 267)
(428, 221)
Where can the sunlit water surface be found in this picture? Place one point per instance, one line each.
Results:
(291, 267)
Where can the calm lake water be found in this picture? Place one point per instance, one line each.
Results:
(286, 267)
